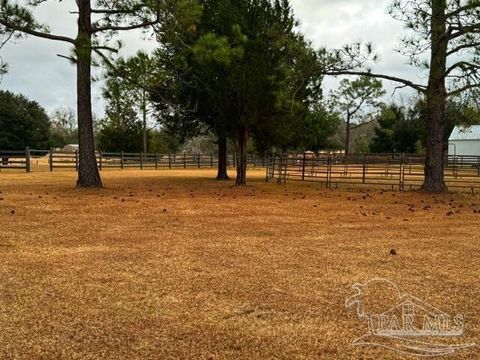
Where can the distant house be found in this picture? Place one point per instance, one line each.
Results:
(465, 140)
(70, 147)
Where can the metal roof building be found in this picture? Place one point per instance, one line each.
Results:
(465, 140)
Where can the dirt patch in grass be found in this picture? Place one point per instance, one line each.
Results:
(175, 265)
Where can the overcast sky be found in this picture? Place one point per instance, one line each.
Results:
(36, 71)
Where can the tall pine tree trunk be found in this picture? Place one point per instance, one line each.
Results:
(88, 175)
(347, 136)
(436, 99)
(241, 156)
(222, 158)
(144, 124)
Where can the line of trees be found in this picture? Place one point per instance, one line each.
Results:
(402, 129)
(240, 70)
(24, 122)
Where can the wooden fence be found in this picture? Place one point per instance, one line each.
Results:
(49, 160)
(402, 172)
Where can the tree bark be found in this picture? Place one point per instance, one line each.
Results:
(222, 158)
(436, 99)
(347, 137)
(88, 174)
(144, 130)
(241, 156)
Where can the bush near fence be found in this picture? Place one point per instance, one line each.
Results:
(50, 160)
(395, 171)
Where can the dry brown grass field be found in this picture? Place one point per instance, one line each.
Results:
(174, 265)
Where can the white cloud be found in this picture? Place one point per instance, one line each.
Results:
(37, 72)
(333, 23)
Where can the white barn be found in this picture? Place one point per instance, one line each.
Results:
(465, 140)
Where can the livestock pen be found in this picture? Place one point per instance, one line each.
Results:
(29, 160)
(395, 171)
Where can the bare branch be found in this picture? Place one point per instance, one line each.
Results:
(471, 6)
(418, 87)
(32, 32)
(399, 87)
(104, 47)
(462, 65)
(463, 89)
(124, 28)
(462, 47)
(69, 58)
(109, 11)
(105, 59)
(463, 30)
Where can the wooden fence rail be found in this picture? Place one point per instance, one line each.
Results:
(50, 160)
(402, 172)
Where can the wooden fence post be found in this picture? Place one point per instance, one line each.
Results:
(273, 164)
(170, 161)
(364, 174)
(270, 170)
(280, 170)
(303, 165)
(141, 161)
(27, 159)
(267, 173)
(184, 159)
(50, 159)
(198, 161)
(122, 160)
(156, 161)
(329, 172)
(211, 161)
(402, 174)
(76, 160)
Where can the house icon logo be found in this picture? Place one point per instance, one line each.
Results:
(404, 323)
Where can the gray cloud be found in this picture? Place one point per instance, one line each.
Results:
(37, 72)
(333, 23)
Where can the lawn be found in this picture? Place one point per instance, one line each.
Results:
(174, 265)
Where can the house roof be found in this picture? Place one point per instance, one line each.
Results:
(465, 133)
